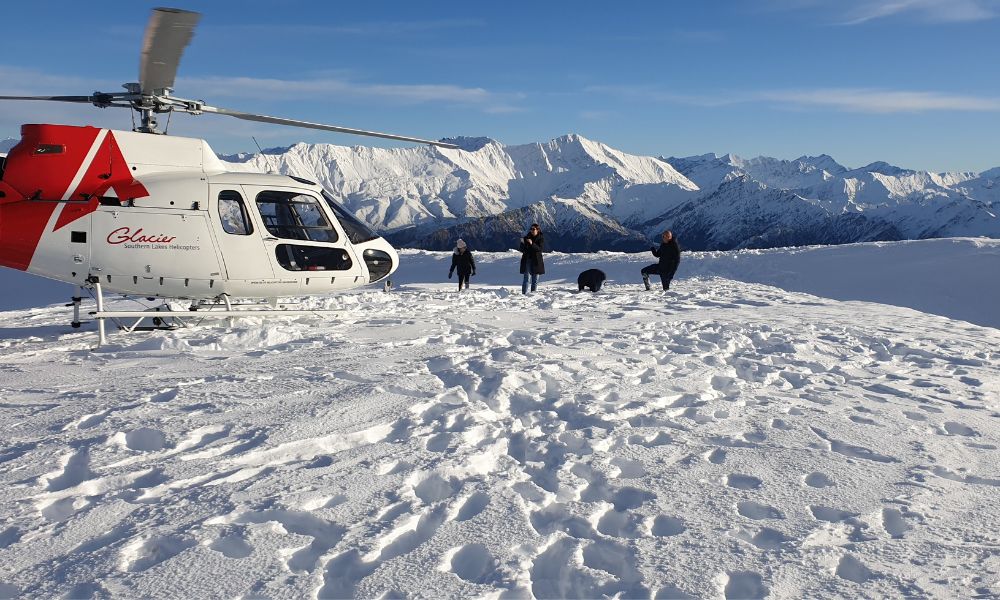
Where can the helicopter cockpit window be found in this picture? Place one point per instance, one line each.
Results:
(295, 216)
(233, 213)
(356, 231)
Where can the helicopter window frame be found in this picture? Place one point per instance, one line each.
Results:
(232, 196)
(295, 216)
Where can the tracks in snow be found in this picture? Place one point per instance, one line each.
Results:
(559, 445)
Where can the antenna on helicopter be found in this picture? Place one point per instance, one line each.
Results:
(167, 35)
(266, 159)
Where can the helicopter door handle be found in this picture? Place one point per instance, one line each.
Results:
(270, 239)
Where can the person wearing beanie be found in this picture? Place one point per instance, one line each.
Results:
(463, 262)
(669, 254)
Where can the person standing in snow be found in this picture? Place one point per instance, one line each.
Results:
(463, 262)
(669, 254)
(532, 265)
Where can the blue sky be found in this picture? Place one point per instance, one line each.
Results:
(912, 82)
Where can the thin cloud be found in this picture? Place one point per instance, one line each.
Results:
(272, 89)
(858, 12)
(859, 100)
(882, 101)
(930, 11)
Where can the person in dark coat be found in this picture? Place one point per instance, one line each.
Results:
(532, 246)
(462, 261)
(592, 279)
(669, 254)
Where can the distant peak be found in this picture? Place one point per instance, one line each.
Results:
(882, 168)
(823, 161)
(571, 138)
(469, 144)
(279, 149)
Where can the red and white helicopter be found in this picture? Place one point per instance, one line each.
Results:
(143, 214)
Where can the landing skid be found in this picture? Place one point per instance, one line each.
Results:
(163, 317)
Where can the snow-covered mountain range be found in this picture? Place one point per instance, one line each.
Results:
(6, 144)
(589, 196)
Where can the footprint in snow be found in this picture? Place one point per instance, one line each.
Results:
(620, 524)
(471, 506)
(818, 480)
(59, 510)
(717, 456)
(145, 439)
(233, 545)
(742, 585)
(471, 562)
(743, 482)
(660, 439)
(628, 469)
(664, 526)
(954, 428)
(165, 395)
(757, 511)
(75, 470)
(434, 488)
(852, 569)
(143, 553)
(831, 515)
(893, 522)
(438, 442)
(769, 539)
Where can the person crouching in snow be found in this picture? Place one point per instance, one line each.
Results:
(669, 254)
(463, 262)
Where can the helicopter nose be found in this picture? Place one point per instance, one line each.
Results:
(381, 259)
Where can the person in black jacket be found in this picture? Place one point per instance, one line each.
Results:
(532, 265)
(462, 261)
(669, 254)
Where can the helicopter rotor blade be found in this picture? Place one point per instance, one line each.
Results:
(97, 99)
(83, 99)
(309, 125)
(168, 33)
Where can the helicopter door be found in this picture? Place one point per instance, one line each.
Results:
(243, 248)
(303, 240)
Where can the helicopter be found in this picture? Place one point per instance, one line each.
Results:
(144, 214)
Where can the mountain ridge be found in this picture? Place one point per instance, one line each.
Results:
(589, 196)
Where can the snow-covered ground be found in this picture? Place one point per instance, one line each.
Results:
(786, 423)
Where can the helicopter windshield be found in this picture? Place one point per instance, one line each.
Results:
(356, 231)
